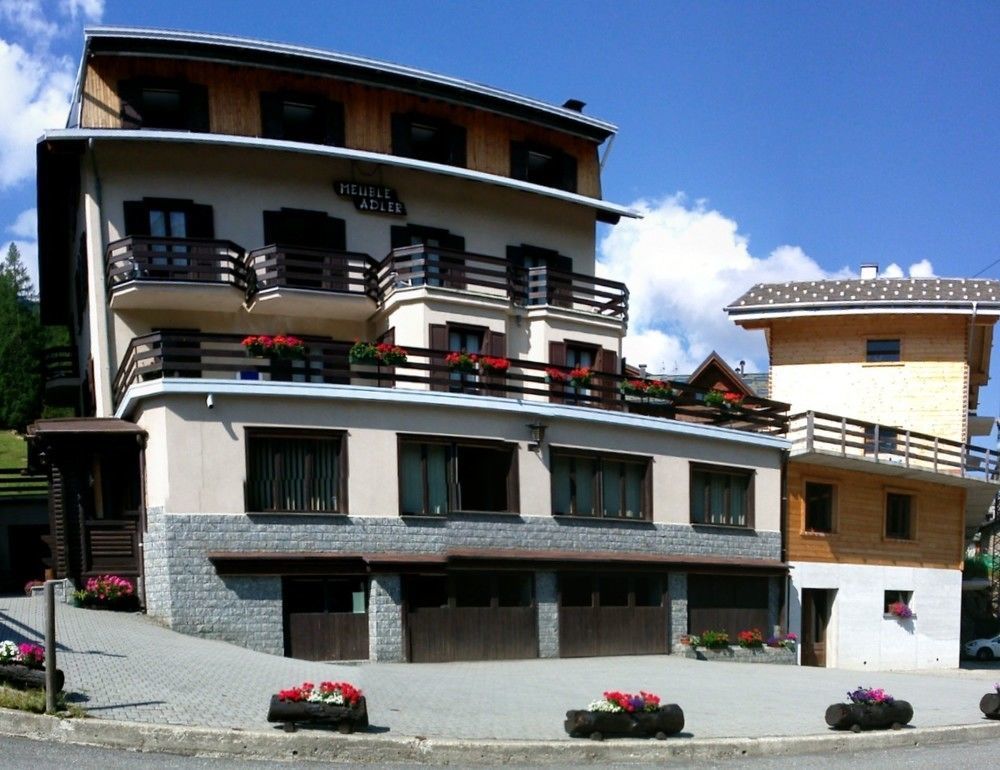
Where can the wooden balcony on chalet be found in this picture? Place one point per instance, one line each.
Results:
(60, 373)
(175, 273)
(191, 274)
(222, 356)
(838, 441)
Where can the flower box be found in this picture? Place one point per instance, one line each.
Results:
(619, 713)
(461, 362)
(869, 716)
(782, 656)
(382, 353)
(346, 719)
(27, 677)
(990, 705)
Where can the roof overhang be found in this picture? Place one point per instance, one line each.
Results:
(605, 212)
(985, 312)
(229, 49)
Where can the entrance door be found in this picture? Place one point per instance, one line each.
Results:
(815, 619)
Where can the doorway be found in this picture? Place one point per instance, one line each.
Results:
(816, 606)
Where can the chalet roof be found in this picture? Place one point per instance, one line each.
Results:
(262, 53)
(883, 295)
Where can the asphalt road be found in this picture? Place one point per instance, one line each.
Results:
(20, 753)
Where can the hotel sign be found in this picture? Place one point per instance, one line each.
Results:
(372, 199)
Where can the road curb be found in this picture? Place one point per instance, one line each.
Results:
(366, 749)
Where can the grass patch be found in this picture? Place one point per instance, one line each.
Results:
(13, 450)
(34, 701)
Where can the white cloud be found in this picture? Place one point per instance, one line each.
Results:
(683, 263)
(26, 225)
(90, 10)
(922, 269)
(28, 17)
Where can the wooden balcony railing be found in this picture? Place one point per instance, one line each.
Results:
(59, 363)
(142, 258)
(17, 483)
(202, 355)
(344, 272)
(426, 266)
(833, 434)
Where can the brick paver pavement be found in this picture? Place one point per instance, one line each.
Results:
(129, 668)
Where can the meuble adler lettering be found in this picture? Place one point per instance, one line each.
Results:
(372, 199)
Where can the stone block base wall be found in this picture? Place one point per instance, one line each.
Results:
(774, 655)
(184, 590)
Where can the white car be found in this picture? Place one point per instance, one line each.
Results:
(983, 649)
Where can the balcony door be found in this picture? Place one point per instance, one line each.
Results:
(166, 223)
(439, 265)
(308, 250)
(546, 274)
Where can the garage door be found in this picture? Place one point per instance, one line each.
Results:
(326, 618)
(727, 603)
(612, 614)
(470, 616)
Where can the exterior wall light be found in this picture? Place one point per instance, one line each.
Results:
(537, 435)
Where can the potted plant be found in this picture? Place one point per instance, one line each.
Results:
(783, 641)
(282, 349)
(337, 704)
(753, 639)
(869, 709)
(363, 353)
(660, 390)
(493, 365)
(580, 376)
(723, 399)
(389, 354)
(555, 376)
(461, 362)
(990, 703)
(900, 611)
(23, 665)
(622, 713)
(633, 387)
(107, 592)
(713, 640)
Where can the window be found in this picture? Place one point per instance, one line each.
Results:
(886, 443)
(439, 476)
(462, 339)
(163, 104)
(302, 118)
(542, 165)
(296, 472)
(891, 597)
(579, 357)
(898, 516)
(820, 499)
(163, 219)
(613, 487)
(882, 350)
(426, 138)
(722, 496)
(610, 590)
(439, 264)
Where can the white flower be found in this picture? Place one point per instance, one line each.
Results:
(8, 652)
(604, 705)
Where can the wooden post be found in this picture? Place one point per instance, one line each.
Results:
(50, 646)
(810, 427)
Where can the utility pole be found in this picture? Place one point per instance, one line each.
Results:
(50, 646)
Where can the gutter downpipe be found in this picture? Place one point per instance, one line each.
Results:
(783, 512)
(972, 332)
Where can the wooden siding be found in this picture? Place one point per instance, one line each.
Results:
(234, 108)
(859, 520)
(819, 364)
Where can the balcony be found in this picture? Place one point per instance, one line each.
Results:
(61, 375)
(422, 266)
(222, 356)
(175, 273)
(293, 281)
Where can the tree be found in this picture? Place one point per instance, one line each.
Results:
(21, 341)
(14, 268)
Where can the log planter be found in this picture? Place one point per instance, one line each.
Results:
(669, 720)
(990, 705)
(22, 677)
(346, 719)
(864, 716)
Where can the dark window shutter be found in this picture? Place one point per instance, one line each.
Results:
(513, 487)
(438, 335)
(389, 335)
(136, 218)
(200, 222)
(453, 242)
(130, 95)
(557, 357)
(567, 172)
(270, 117)
(332, 114)
(607, 361)
(494, 344)
(196, 105)
(456, 141)
(515, 256)
(399, 236)
(333, 232)
(519, 160)
(273, 228)
(401, 135)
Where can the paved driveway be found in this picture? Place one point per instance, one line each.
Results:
(131, 669)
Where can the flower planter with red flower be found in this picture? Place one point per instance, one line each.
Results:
(869, 709)
(990, 703)
(620, 713)
(461, 362)
(723, 399)
(332, 704)
(282, 349)
(107, 592)
(900, 611)
(382, 353)
(493, 366)
(23, 666)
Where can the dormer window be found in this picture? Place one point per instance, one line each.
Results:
(426, 138)
(877, 351)
(302, 118)
(163, 104)
(543, 165)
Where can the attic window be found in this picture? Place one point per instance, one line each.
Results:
(882, 350)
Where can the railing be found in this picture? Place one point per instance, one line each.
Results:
(142, 258)
(426, 266)
(18, 483)
(201, 355)
(828, 433)
(299, 268)
(59, 363)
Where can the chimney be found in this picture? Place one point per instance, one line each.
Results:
(574, 104)
(869, 271)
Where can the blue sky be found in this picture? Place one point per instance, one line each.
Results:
(765, 140)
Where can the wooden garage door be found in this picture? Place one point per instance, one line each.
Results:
(326, 618)
(471, 616)
(729, 603)
(612, 614)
